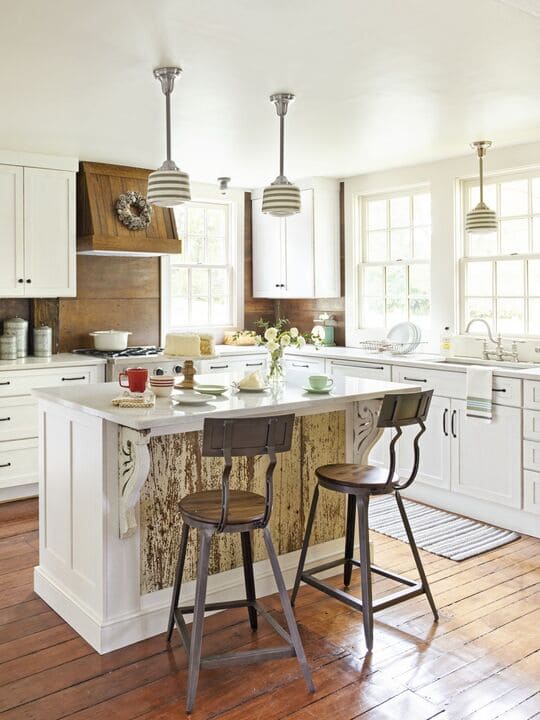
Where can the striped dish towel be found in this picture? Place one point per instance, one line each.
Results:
(479, 385)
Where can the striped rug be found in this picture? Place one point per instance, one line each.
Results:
(437, 531)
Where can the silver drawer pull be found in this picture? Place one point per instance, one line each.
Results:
(6, 419)
(254, 364)
(415, 379)
(218, 367)
(5, 465)
(82, 377)
(299, 365)
(7, 382)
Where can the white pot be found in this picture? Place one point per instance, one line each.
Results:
(109, 340)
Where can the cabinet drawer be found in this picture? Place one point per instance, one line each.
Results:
(446, 384)
(531, 492)
(18, 418)
(531, 425)
(307, 364)
(378, 371)
(507, 391)
(531, 394)
(531, 455)
(18, 463)
(22, 383)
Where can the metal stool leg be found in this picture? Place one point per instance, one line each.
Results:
(287, 610)
(198, 617)
(305, 544)
(349, 539)
(416, 555)
(178, 578)
(362, 504)
(247, 559)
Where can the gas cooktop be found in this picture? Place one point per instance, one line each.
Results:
(140, 351)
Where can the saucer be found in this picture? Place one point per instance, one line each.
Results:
(251, 390)
(190, 398)
(210, 389)
(322, 391)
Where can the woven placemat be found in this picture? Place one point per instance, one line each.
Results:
(133, 402)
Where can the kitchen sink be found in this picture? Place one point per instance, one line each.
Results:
(458, 360)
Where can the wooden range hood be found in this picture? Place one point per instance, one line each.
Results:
(100, 232)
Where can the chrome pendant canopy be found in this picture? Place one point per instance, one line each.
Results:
(281, 198)
(481, 219)
(168, 186)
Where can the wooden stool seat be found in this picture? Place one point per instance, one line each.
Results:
(347, 474)
(245, 508)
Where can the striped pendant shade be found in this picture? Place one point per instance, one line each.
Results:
(168, 187)
(481, 219)
(281, 199)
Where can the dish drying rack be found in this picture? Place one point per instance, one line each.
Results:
(394, 348)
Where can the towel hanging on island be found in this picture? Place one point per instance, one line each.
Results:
(479, 389)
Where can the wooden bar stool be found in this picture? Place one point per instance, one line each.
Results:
(360, 482)
(231, 511)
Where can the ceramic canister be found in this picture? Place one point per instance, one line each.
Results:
(43, 341)
(8, 347)
(19, 327)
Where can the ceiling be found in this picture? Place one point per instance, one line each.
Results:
(378, 84)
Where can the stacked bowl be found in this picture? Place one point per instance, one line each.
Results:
(162, 385)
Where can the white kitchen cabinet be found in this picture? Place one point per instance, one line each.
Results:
(237, 364)
(298, 256)
(299, 367)
(375, 371)
(37, 230)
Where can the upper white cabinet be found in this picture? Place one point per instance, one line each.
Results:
(37, 228)
(298, 256)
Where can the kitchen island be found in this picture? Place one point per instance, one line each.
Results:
(110, 480)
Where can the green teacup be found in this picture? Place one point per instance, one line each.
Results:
(320, 382)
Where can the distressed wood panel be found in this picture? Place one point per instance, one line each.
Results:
(178, 469)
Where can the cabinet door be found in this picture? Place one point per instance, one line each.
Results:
(49, 233)
(267, 241)
(435, 446)
(299, 251)
(377, 371)
(486, 456)
(11, 231)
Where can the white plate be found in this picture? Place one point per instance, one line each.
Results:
(211, 389)
(188, 397)
(251, 390)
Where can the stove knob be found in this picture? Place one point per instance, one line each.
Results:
(177, 369)
(159, 371)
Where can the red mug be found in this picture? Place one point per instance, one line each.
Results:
(136, 379)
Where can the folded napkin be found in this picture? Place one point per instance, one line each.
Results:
(252, 381)
(479, 388)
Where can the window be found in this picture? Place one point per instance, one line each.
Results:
(199, 284)
(394, 275)
(500, 271)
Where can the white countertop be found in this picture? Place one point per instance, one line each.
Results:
(96, 400)
(55, 361)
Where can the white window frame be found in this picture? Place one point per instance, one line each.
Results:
(464, 259)
(234, 200)
(362, 204)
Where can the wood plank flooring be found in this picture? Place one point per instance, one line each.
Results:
(480, 662)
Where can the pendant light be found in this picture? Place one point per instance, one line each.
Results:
(481, 219)
(168, 186)
(281, 198)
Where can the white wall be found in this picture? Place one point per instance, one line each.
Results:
(443, 178)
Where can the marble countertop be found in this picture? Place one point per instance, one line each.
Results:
(55, 361)
(96, 400)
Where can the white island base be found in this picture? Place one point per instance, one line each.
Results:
(110, 480)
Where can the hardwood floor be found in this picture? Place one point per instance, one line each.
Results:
(481, 662)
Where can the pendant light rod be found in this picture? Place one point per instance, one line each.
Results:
(281, 101)
(481, 147)
(281, 145)
(167, 76)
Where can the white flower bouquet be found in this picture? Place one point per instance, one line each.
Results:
(275, 339)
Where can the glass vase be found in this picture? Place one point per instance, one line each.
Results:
(276, 370)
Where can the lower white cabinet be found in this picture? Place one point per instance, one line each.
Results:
(235, 364)
(377, 371)
(300, 367)
(18, 462)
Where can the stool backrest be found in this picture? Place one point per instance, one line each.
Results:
(399, 411)
(246, 437)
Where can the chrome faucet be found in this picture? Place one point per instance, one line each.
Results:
(500, 353)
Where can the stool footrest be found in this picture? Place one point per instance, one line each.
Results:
(249, 656)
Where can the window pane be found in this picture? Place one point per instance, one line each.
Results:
(376, 246)
(515, 198)
(490, 196)
(376, 214)
(419, 312)
(220, 311)
(373, 281)
(199, 311)
(216, 220)
(534, 277)
(400, 244)
(419, 280)
(373, 312)
(180, 216)
(199, 282)
(514, 236)
(179, 281)
(219, 282)
(396, 311)
(479, 278)
(534, 317)
(400, 211)
(535, 190)
(478, 308)
(422, 209)
(195, 249)
(422, 243)
(179, 311)
(216, 251)
(536, 235)
(510, 280)
(195, 221)
(481, 244)
(396, 281)
(510, 316)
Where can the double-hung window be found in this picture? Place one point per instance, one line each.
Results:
(394, 274)
(500, 271)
